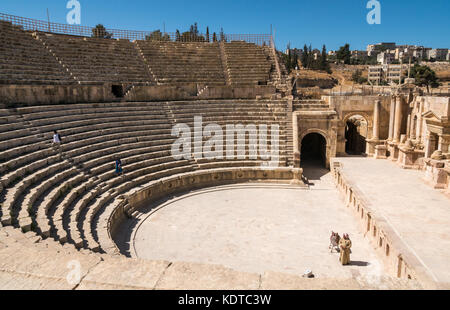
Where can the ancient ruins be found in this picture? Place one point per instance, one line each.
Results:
(374, 165)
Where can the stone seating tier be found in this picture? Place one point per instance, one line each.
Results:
(178, 62)
(31, 63)
(41, 58)
(64, 193)
(98, 59)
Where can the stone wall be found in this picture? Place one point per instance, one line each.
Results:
(437, 174)
(239, 92)
(316, 82)
(194, 180)
(323, 123)
(397, 258)
(439, 105)
(11, 95)
(54, 94)
(197, 92)
(348, 106)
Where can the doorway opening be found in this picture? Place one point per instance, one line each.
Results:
(313, 158)
(314, 150)
(117, 91)
(356, 130)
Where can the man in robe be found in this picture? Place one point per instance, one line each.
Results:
(345, 245)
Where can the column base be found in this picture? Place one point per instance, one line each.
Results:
(380, 152)
(392, 147)
(409, 158)
(436, 175)
(371, 144)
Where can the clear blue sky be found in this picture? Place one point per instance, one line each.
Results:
(316, 22)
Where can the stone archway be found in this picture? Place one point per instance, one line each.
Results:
(357, 129)
(365, 115)
(315, 145)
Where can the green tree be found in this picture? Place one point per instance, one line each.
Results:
(222, 36)
(424, 76)
(304, 58)
(207, 34)
(310, 64)
(186, 36)
(100, 32)
(324, 65)
(344, 54)
(287, 58)
(214, 37)
(157, 36)
(287, 62)
(295, 61)
(193, 35)
(358, 78)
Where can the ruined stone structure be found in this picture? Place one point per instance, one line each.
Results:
(407, 127)
(114, 99)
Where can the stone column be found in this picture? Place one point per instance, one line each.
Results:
(408, 127)
(420, 121)
(376, 120)
(391, 119)
(430, 141)
(413, 129)
(398, 119)
(295, 141)
(413, 120)
(444, 142)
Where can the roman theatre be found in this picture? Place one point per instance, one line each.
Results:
(375, 166)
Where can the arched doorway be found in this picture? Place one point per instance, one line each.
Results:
(356, 131)
(313, 150)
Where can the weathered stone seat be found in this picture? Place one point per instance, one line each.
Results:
(32, 64)
(66, 193)
(98, 59)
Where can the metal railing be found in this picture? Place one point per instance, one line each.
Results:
(29, 24)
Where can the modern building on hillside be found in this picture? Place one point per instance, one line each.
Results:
(375, 49)
(386, 58)
(437, 54)
(390, 74)
(359, 54)
(421, 52)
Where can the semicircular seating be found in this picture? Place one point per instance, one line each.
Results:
(63, 192)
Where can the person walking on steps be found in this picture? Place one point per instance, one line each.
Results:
(57, 140)
(119, 170)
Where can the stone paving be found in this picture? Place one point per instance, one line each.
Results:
(419, 214)
(257, 228)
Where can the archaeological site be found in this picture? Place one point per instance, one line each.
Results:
(167, 161)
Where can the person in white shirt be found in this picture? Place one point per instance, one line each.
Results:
(56, 139)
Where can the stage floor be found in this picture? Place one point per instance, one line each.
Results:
(419, 214)
(257, 228)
